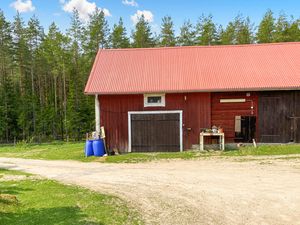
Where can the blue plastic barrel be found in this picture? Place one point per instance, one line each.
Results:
(98, 147)
(89, 148)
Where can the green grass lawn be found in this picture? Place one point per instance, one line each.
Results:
(244, 151)
(74, 151)
(265, 150)
(35, 201)
(146, 157)
(55, 151)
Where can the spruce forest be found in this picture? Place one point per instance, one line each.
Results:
(43, 75)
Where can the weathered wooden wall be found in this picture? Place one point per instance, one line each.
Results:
(223, 114)
(202, 110)
(196, 109)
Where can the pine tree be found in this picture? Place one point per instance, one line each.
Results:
(22, 65)
(294, 31)
(239, 31)
(167, 36)
(97, 34)
(206, 31)
(142, 36)
(219, 35)
(266, 28)
(8, 103)
(76, 32)
(79, 109)
(187, 34)
(243, 30)
(282, 25)
(118, 38)
(54, 110)
(286, 30)
(34, 35)
(228, 35)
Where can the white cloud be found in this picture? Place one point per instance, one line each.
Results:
(106, 12)
(84, 8)
(130, 2)
(149, 17)
(61, 1)
(23, 6)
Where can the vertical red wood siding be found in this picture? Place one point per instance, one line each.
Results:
(223, 114)
(114, 109)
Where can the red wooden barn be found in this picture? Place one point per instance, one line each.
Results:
(159, 99)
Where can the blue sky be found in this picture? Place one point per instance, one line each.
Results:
(222, 10)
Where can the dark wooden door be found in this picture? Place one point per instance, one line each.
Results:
(275, 109)
(297, 117)
(155, 132)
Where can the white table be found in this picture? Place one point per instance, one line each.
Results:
(221, 139)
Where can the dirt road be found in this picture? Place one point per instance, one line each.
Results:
(211, 191)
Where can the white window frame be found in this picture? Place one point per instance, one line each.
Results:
(161, 104)
(156, 112)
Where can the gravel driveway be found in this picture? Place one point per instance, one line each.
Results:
(211, 191)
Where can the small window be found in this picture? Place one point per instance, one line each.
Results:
(154, 100)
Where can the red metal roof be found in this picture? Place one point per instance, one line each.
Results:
(196, 69)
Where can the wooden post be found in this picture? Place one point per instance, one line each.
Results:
(254, 143)
(97, 114)
(223, 142)
(201, 142)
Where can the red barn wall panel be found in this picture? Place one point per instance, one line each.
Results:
(196, 109)
(223, 114)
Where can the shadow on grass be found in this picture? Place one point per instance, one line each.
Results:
(13, 190)
(49, 216)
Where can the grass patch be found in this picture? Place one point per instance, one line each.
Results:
(56, 151)
(4, 172)
(12, 172)
(74, 151)
(48, 202)
(265, 150)
(147, 157)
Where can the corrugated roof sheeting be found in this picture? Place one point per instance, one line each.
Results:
(199, 68)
